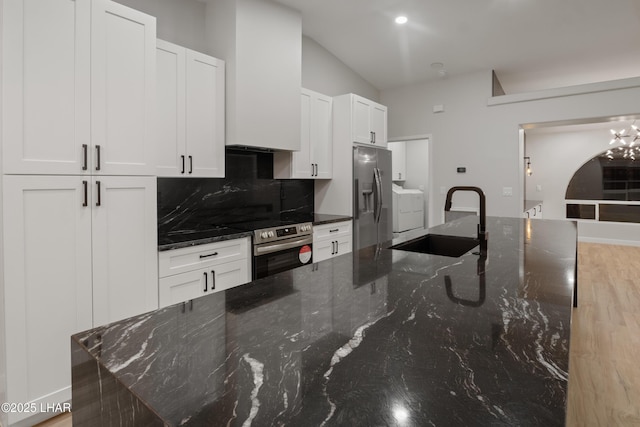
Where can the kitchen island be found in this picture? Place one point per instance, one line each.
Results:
(370, 338)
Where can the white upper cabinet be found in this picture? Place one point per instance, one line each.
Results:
(46, 91)
(315, 158)
(78, 88)
(369, 124)
(123, 87)
(191, 116)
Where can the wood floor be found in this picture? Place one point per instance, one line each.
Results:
(604, 365)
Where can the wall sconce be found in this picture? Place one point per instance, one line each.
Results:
(529, 172)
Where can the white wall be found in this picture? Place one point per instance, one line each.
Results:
(325, 73)
(555, 157)
(178, 21)
(483, 138)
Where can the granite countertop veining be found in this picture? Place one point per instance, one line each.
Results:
(375, 337)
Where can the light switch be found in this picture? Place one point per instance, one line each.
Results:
(538, 187)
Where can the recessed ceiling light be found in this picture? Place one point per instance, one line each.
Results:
(401, 20)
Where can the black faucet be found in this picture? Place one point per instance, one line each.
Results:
(482, 226)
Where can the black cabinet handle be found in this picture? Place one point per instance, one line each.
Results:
(98, 202)
(208, 255)
(374, 137)
(337, 247)
(98, 157)
(182, 157)
(84, 157)
(371, 137)
(334, 230)
(213, 279)
(206, 280)
(190, 164)
(86, 193)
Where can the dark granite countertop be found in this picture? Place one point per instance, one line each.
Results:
(371, 338)
(320, 219)
(187, 238)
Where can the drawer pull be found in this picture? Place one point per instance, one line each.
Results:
(208, 255)
(334, 230)
(206, 285)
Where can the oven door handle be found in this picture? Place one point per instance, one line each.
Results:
(280, 246)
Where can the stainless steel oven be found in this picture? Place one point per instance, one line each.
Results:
(281, 248)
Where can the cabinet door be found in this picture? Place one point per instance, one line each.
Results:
(205, 115)
(344, 245)
(123, 63)
(47, 276)
(301, 160)
(323, 249)
(361, 120)
(45, 86)
(182, 287)
(170, 109)
(379, 124)
(230, 274)
(125, 247)
(321, 136)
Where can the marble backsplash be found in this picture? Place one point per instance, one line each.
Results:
(247, 193)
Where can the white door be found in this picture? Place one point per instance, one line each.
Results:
(47, 269)
(123, 63)
(45, 86)
(170, 109)
(361, 121)
(321, 136)
(125, 247)
(379, 124)
(301, 160)
(205, 115)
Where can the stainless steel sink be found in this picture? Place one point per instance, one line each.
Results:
(438, 244)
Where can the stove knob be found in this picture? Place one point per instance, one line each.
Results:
(264, 234)
(272, 234)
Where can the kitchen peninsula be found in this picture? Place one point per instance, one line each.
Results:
(375, 337)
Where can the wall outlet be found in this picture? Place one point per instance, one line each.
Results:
(438, 108)
(538, 187)
(507, 191)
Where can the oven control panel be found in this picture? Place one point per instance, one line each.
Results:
(275, 234)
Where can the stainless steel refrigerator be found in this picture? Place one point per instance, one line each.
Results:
(372, 196)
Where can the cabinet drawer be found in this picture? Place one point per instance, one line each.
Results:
(202, 256)
(201, 282)
(332, 230)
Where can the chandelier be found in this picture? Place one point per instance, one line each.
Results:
(628, 138)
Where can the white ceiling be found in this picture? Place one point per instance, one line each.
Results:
(531, 44)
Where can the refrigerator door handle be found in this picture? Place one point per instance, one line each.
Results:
(377, 195)
(356, 199)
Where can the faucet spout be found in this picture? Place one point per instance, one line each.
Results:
(482, 226)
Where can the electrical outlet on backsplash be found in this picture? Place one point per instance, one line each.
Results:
(247, 193)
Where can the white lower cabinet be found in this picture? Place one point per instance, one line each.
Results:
(70, 265)
(192, 272)
(330, 240)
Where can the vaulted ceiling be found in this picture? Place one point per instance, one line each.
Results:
(531, 44)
